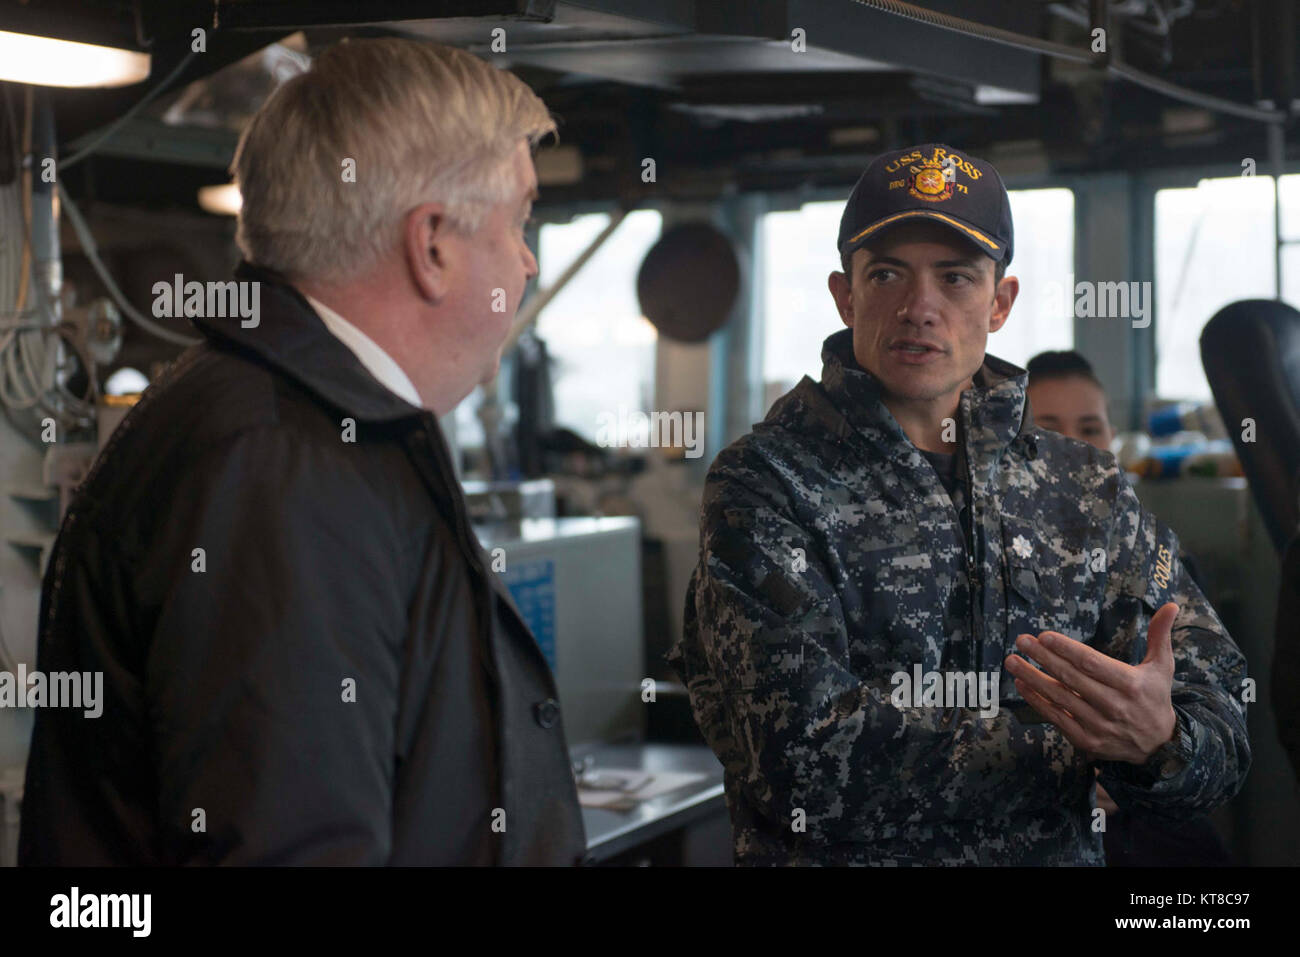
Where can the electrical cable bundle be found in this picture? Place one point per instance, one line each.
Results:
(33, 370)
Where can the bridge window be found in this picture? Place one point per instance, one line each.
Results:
(1214, 245)
(602, 348)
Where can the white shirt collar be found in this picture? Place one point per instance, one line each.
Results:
(376, 361)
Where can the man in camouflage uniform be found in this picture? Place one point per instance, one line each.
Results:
(904, 516)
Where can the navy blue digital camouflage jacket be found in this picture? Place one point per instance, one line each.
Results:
(832, 559)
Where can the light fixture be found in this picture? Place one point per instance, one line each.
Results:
(46, 61)
(223, 200)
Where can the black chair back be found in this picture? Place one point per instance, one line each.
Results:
(1251, 353)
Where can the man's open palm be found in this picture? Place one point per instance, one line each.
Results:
(1111, 710)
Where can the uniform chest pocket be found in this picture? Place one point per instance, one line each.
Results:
(1049, 600)
(1034, 578)
(1032, 587)
(1034, 575)
(1029, 611)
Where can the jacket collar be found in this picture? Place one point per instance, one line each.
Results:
(994, 413)
(291, 338)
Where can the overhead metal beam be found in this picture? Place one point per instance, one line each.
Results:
(297, 14)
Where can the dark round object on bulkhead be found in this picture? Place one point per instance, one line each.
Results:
(688, 282)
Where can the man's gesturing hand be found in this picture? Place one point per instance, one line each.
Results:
(1111, 710)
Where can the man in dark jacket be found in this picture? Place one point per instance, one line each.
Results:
(883, 556)
(306, 658)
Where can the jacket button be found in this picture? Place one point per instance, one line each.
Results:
(547, 712)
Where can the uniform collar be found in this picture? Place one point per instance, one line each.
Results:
(993, 413)
(294, 340)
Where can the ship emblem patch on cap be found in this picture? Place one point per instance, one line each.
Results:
(933, 182)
